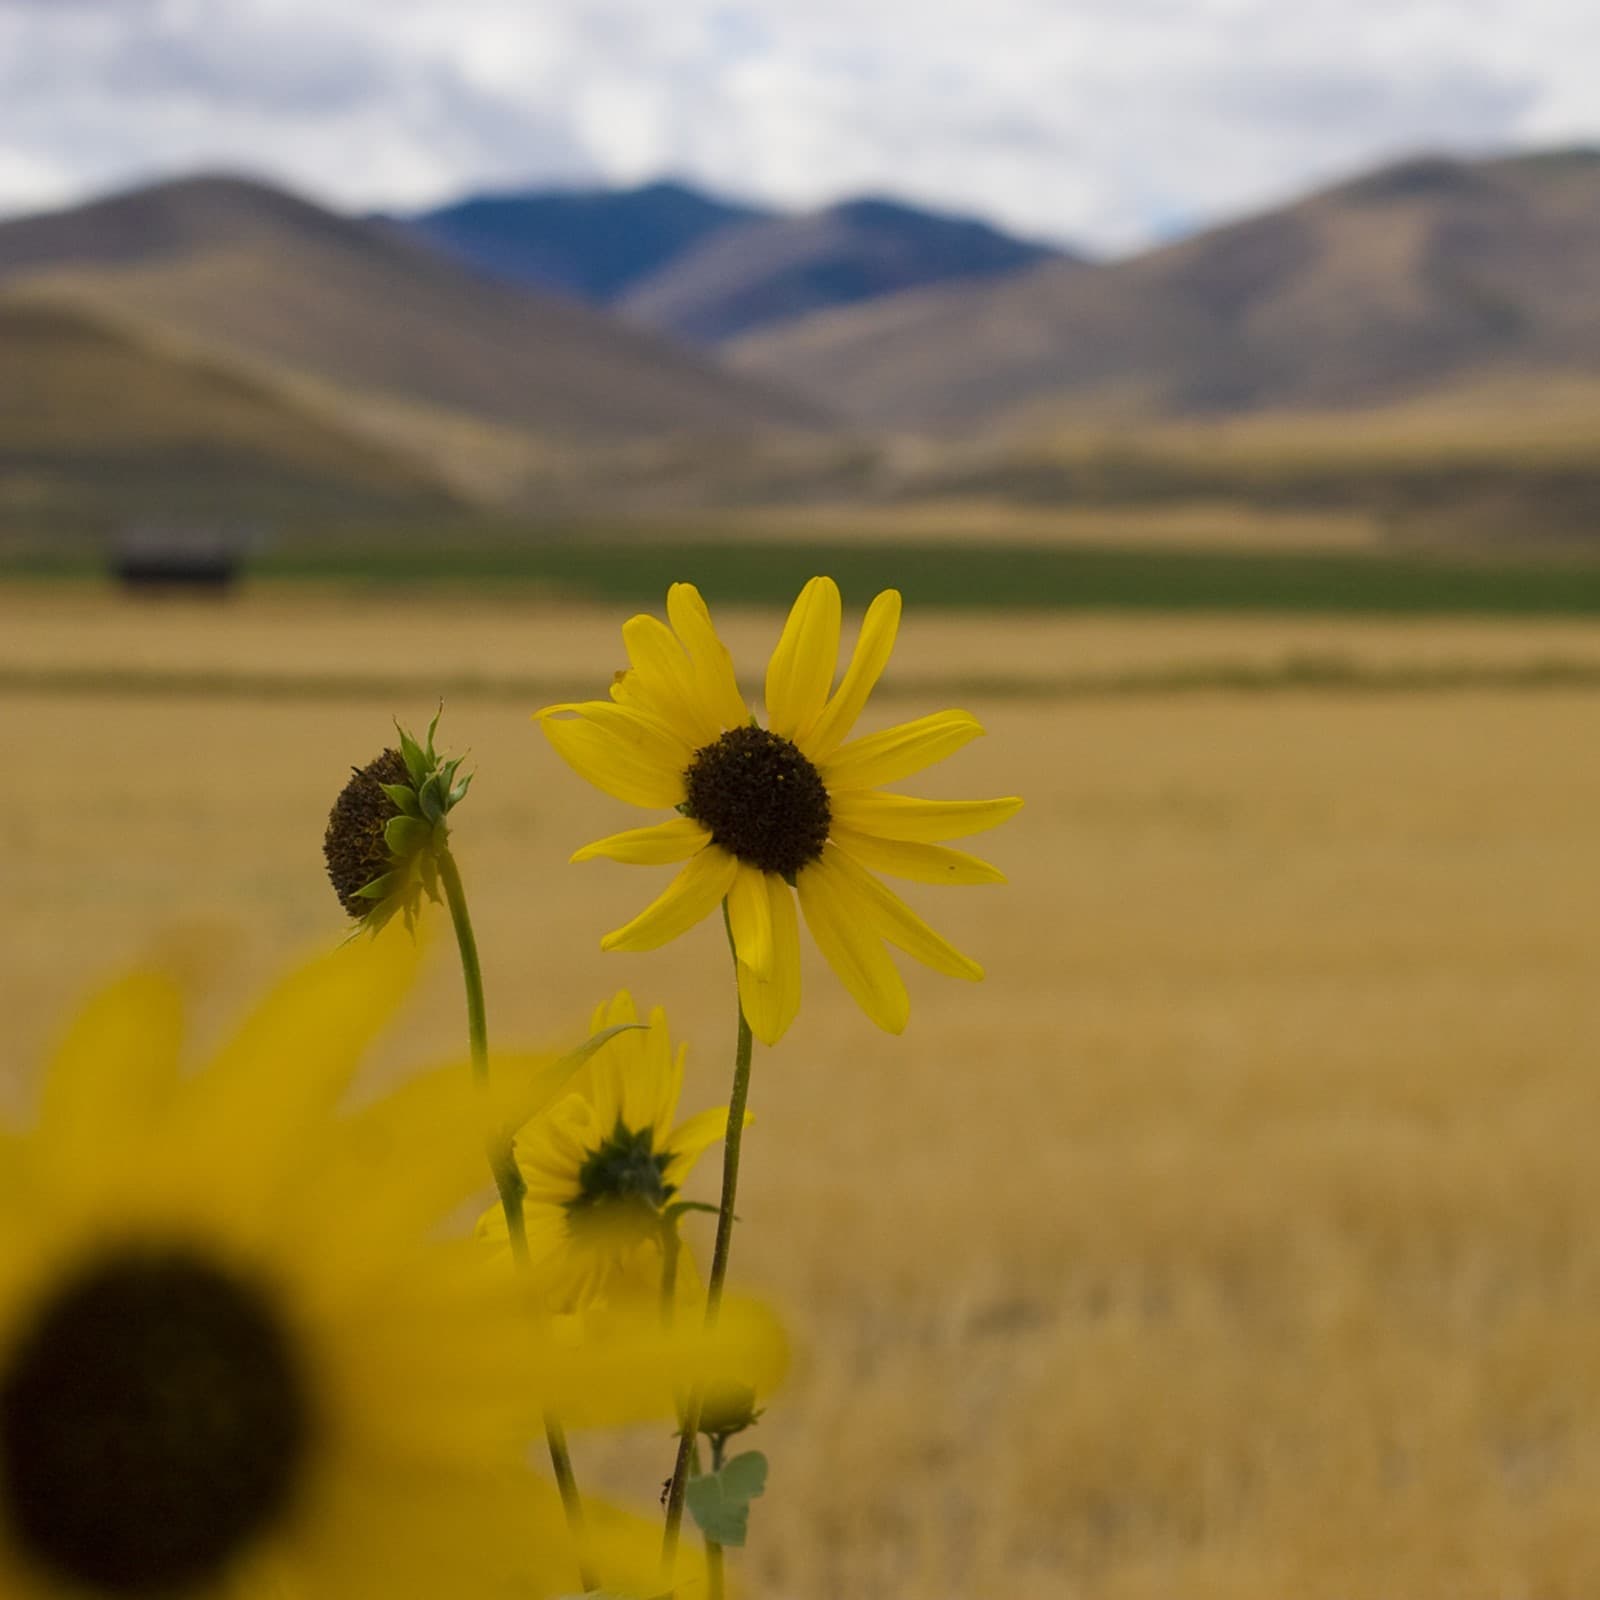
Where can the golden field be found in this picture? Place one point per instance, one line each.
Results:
(1238, 1237)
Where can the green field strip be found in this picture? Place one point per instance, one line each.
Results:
(638, 570)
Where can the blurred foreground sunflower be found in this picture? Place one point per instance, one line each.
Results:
(603, 1170)
(236, 1358)
(794, 804)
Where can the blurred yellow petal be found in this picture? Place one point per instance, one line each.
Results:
(715, 684)
(801, 670)
(851, 944)
(294, 1057)
(620, 750)
(626, 1369)
(901, 816)
(898, 752)
(664, 844)
(926, 863)
(116, 1067)
(695, 893)
(895, 920)
(772, 1001)
(832, 725)
(750, 918)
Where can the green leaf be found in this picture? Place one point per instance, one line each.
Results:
(719, 1501)
(403, 796)
(406, 835)
(576, 1058)
(378, 888)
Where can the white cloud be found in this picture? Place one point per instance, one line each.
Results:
(1109, 121)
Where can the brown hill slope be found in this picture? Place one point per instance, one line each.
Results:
(96, 421)
(248, 272)
(1412, 277)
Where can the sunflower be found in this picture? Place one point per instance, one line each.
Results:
(793, 805)
(604, 1168)
(236, 1357)
(386, 837)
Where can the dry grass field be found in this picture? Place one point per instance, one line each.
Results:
(1237, 1239)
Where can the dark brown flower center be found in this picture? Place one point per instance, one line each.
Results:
(762, 800)
(354, 845)
(154, 1423)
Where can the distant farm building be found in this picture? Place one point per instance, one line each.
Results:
(203, 560)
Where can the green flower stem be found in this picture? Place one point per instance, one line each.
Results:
(508, 1182)
(732, 1140)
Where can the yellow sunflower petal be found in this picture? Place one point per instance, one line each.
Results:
(871, 655)
(851, 944)
(650, 1089)
(750, 917)
(903, 858)
(695, 893)
(691, 1139)
(901, 816)
(620, 750)
(663, 844)
(115, 1068)
(899, 751)
(663, 678)
(895, 920)
(715, 684)
(801, 670)
(772, 1001)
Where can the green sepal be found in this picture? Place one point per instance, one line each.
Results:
(431, 798)
(679, 1207)
(403, 796)
(406, 836)
(378, 888)
(719, 1501)
(433, 728)
(459, 792)
(429, 873)
(417, 763)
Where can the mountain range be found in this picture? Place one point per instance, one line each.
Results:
(704, 270)
(360, 361)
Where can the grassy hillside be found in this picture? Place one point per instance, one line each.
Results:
(98, 426)
(255, 275)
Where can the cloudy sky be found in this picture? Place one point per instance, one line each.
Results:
(1108, 122)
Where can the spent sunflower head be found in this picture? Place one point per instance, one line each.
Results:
(387, 828)
(604, 1169)
(236, 1355)
(793, 810)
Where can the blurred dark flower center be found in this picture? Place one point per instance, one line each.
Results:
(154, 1422)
